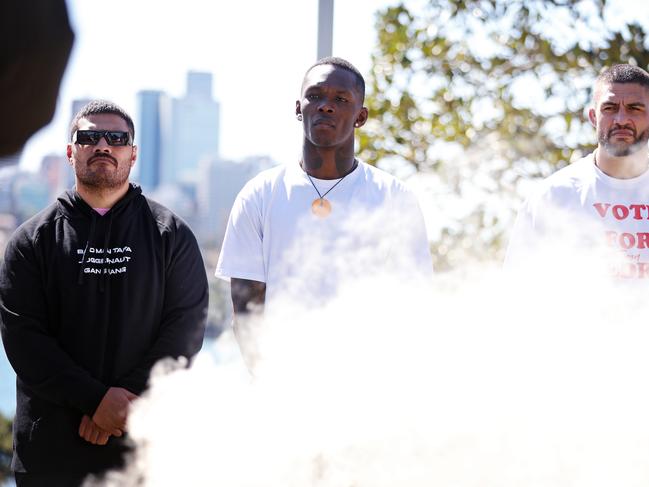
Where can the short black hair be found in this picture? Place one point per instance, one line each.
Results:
(98, 107)
(344, 64)
(622, 73)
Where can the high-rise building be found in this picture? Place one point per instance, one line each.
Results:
(22, 193)
(57, 174)
(194, 131)
(151, 133)
(78, 105)
(173, 135)
(219, 183)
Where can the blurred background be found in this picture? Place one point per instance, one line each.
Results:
(471, 102)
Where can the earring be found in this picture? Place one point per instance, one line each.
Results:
(299, 117)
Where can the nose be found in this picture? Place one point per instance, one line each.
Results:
(102, 145)
(325, 106)
(622, 116)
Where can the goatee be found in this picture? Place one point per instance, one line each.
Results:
(622, 149)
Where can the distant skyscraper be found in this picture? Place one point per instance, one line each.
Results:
(78, 105)
(151, 131)
(199, 84)
(22, 193)
(57, 174)
(218, 185)
(194, 130)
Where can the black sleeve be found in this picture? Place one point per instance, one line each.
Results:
(184, 312)
(33, 351)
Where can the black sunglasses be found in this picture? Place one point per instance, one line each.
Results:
(92, 137)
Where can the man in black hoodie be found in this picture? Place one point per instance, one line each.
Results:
(94, 290)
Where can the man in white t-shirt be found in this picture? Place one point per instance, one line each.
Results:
(296, 231)
(602, 199)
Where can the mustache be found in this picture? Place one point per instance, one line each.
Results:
(622, 127)
(102, 156)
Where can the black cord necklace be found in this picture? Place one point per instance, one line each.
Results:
(320, 206)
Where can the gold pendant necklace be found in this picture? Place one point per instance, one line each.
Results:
(321, 207)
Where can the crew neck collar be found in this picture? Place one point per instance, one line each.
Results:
(617, 182)
(299, 172)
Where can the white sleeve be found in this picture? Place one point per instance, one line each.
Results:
(242, 253)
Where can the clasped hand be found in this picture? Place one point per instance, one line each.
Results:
(110, 417)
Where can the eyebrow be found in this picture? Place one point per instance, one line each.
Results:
(635, 104)
(322, 86)
(616, 103)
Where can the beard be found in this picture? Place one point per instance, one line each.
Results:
(102, 175)
(622, 148)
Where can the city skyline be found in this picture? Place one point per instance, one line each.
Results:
(251, 59)
(176, 133)
(197, 184)
(257, 66)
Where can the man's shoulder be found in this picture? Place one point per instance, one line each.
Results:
(567, 180)
(264, 182)
(382, 180)
(33, 226)
(573, 174)
(268, 176)
(165, 219)
(565, 186)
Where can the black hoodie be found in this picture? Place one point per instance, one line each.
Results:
(89, 302)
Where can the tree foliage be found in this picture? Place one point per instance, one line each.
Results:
(481, 96)
(6, 448)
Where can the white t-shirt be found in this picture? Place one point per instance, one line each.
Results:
(272, 236)
(580, 207)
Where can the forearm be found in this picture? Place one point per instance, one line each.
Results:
(248, 300)
(248, 297)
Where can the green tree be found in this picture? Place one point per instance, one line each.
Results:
(482, 96)
(6, 448)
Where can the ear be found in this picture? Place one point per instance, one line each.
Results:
(298, 110)
(361, 117)
(68, 153)
(133, 155)
(592, 117)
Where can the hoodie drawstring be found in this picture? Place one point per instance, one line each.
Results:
(91, 236)
(104, 268)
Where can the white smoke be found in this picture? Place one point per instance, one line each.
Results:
(485, 379)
